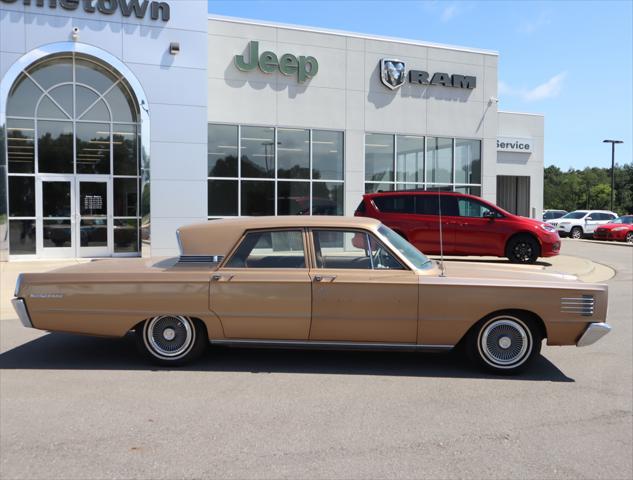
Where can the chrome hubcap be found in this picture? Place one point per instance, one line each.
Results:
(575, 233)
(169, 336)
(505, 342)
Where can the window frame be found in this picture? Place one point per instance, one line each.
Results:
(310, 234)
(307, 257)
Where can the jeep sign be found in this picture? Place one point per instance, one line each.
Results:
(303, 67)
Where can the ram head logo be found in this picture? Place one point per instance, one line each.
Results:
(392, 73)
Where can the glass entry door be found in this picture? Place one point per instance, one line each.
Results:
(56, 216)
(94, 216)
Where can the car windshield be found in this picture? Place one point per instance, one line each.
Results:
(415, 257)
(575, 215)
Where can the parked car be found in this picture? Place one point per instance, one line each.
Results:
(470, 225)
(553, 214)
(581, 223)
(620, 229)
(299, 281)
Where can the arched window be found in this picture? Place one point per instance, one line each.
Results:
(69, 114)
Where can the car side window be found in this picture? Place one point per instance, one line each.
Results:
(270, 249)
(472, 208)
(350, 249)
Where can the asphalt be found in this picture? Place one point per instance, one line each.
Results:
(75, 407)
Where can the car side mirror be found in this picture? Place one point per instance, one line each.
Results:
(588, 218)
(490, 214)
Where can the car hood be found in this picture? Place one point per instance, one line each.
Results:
(505, 272)
(611, 226)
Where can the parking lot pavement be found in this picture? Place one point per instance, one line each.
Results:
(76, 407)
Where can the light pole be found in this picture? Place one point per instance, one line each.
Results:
(612, 142)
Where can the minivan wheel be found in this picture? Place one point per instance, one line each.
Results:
(576, 233)
(523, 249)
(171, 340)
(504, 344)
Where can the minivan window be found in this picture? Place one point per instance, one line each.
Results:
(395, 203)
(472, 208)
(429, 205)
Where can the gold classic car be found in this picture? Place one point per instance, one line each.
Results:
(314, 282)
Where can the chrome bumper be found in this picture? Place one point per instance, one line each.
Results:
(23, 314)
(594, 332)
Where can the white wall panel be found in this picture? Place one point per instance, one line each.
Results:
(179, 198)
(177, 123)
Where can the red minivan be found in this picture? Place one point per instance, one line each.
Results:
(470, 225)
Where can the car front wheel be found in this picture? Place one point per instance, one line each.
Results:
(576, 233)
(522, 249)
(629, 237)
(171, 340)
(504, 344)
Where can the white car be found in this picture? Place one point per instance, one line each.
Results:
(579, 223)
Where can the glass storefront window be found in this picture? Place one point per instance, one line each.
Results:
(125, 149)
(258, 198)
(222, 198)
(125, 235)
(439, 160)
(55, 146)
(409, 158)
(222, 150)
(293, 198)
(284, 156)
(22, 237)
(378, 187)
(379, 157)
(258, 152)
(467, 161)
(327, 155)
(293, 153)
(327, 198)
(69, 104)
(21, 196)
(125, 197)
(21, 145)
(93, 147)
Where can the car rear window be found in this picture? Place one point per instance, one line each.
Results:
(395, 203)
(361, 207)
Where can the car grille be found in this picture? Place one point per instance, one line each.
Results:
(579, 305)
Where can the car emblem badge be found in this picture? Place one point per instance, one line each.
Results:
(392, 73)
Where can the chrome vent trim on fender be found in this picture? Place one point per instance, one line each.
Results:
(578, 305)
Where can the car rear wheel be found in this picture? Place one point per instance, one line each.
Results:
(629, 237)
(504, 344)
(523, 249)
(576, 233)
(171, 340)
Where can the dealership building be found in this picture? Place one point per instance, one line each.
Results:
(121, 120)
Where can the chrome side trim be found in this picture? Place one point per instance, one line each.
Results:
(200, 258)
(329, 345)
(594, 332)
(23, 314)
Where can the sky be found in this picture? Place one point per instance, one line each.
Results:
(571, 61)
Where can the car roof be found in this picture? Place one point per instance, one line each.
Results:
(415, 192)
(217, 237)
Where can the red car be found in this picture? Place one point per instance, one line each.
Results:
(620, 229)
(470, 225)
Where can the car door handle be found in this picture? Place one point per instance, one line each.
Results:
(217, 277)
(320, 278)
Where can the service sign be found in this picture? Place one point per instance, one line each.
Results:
(512, 144)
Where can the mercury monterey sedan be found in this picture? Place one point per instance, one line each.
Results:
(314, 282)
